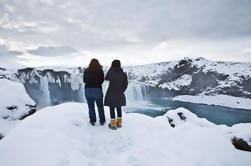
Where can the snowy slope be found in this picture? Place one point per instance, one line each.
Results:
(15, 104)
(157, 70)
(61, 135)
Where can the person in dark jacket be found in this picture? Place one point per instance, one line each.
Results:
(93, 79)
(115, 97)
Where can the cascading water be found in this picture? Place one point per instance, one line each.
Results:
(82, 93)
(45, 90)
(134, 91)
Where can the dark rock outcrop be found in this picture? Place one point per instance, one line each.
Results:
(1, 136)
(181, 115)
(241, 144)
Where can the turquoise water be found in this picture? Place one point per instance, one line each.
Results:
(215, 114)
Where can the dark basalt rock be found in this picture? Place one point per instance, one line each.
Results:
(182, 116)
(25, 70)
(12, 107)
(32, 111)
(170, 120)
(247, 84)
(241, 144)
(1, 136)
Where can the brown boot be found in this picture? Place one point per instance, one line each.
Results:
(119, 122)
(112, 124)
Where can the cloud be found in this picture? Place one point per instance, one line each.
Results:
(5, 52)
(8, 58)
(121, 22)
(118, 28)
(52, 51)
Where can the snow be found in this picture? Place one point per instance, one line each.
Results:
(177, 84)
(151, 74)
(224, 67)
(190, 118)
(221, 100)
(12, 94)
(8, 74)
(61, 135)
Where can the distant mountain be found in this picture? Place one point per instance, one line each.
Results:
(195, 76)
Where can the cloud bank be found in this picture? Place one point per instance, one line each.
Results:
(153, 30)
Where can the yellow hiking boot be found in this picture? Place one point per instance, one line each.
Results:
(119, 122)
(112, 124)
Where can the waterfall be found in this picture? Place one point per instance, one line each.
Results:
(82, 93)
(45, 90)
(134, 92)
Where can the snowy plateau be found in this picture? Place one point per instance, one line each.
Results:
(61, 135)
(44, 118)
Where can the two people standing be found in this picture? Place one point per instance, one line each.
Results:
(115, 97)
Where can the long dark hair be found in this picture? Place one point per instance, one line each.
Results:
(94, 66)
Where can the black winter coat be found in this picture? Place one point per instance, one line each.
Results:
(94, 79)
(115, 96)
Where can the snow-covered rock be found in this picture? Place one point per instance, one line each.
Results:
(183, 116)
(195, 76)
(61, 135)
(15, 104)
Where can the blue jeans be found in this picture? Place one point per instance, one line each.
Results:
(95, 95)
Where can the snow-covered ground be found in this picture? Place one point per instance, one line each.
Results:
(221, 100)
(61, 135)
(14, 97)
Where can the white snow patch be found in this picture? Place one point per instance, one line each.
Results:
(221, 100)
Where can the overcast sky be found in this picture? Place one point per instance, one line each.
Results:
(70, 33)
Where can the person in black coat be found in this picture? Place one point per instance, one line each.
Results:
(93, 79)
(115, 97)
